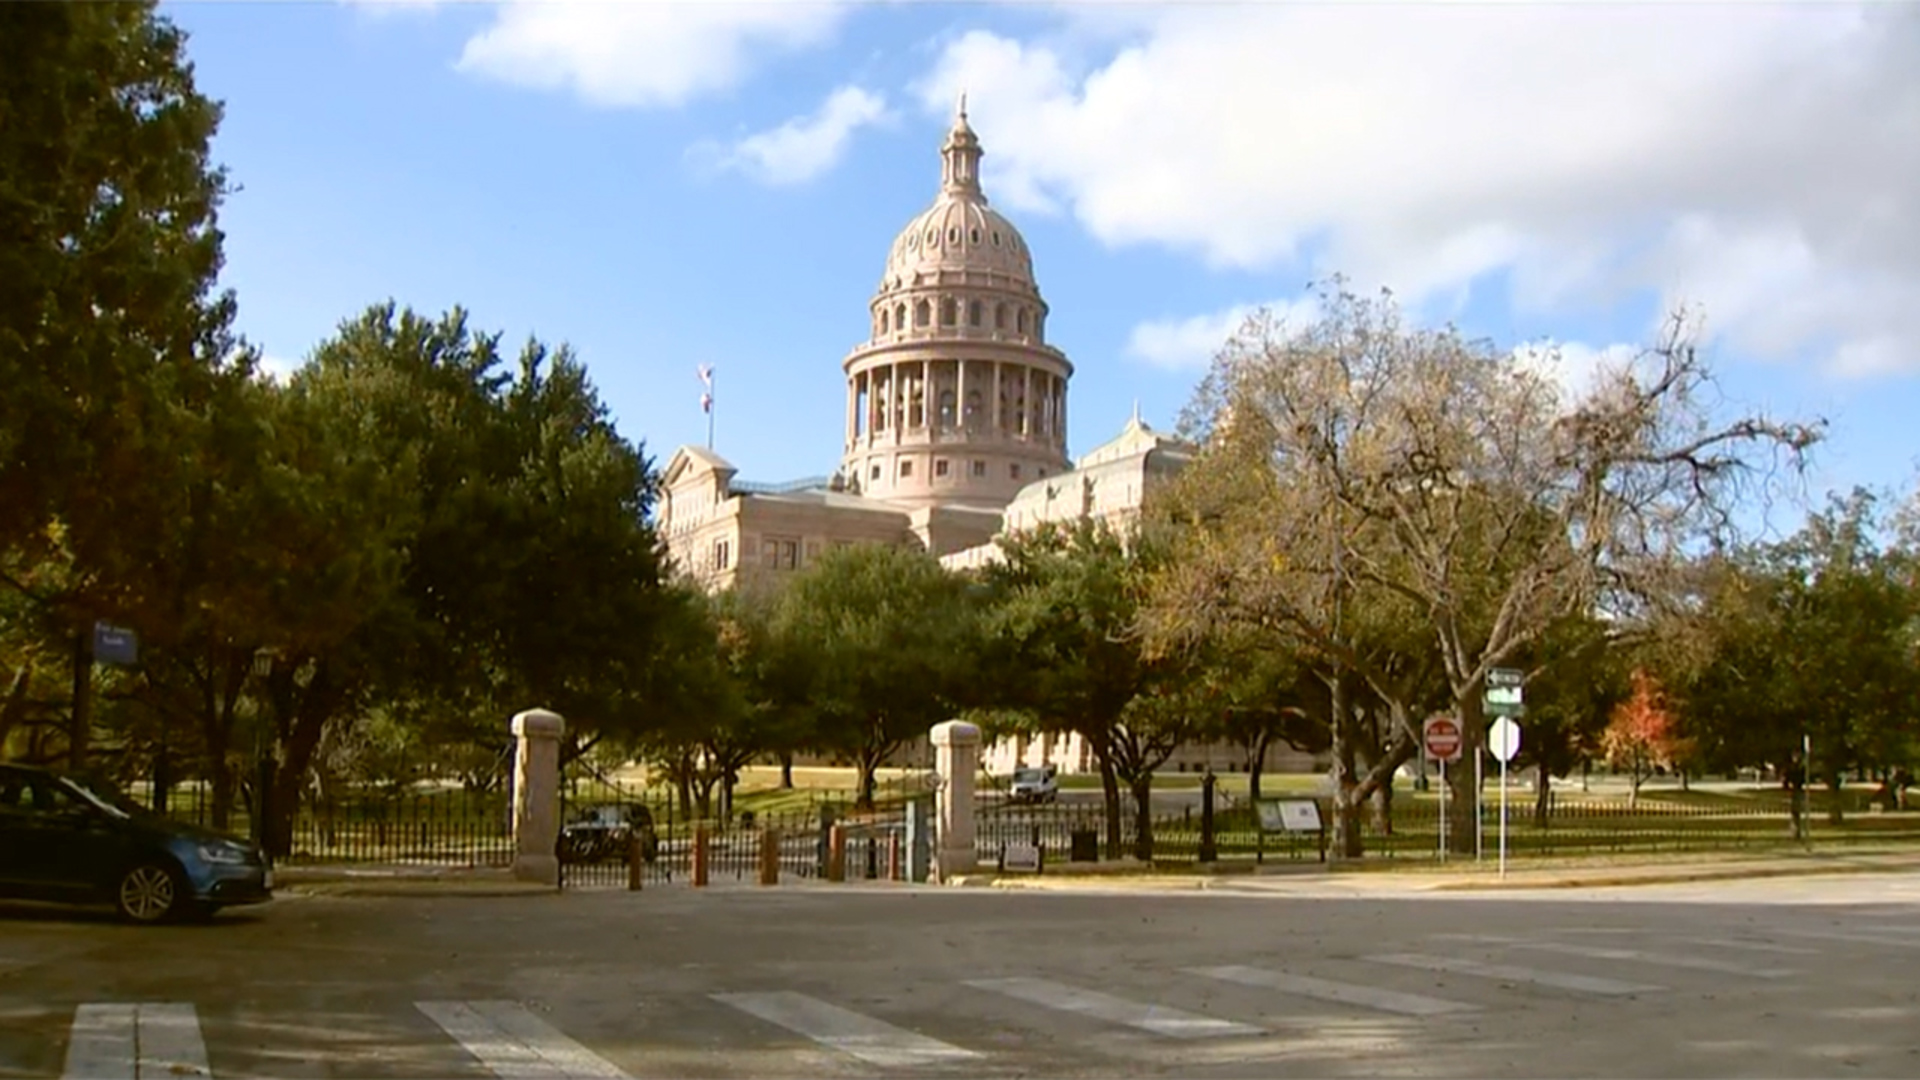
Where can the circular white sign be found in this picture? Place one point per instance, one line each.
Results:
(1503, 739)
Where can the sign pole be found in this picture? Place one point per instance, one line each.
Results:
(1443, 809)
(1479, 811)
(1503, 817)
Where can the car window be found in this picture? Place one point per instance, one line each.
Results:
(51, 798)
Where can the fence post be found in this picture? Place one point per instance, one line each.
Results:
(700, 855)
(769, 857)
(837, 853)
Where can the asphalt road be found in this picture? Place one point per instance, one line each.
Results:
(1789, 978)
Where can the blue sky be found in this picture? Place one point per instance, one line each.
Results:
(665, 185)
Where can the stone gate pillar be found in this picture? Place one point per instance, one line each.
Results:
(956, 757)
(536, 795)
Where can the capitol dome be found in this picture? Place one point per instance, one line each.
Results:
(960, 232)
(956, 399)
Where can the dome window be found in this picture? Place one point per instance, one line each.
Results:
(1020, 321)
(922, 314)
(933, 236)
(996, 238)
(949, 312)
(973, 313)
(900, 316)
(1000, 316)
(974, 236)
(883, 320)
(953, 235)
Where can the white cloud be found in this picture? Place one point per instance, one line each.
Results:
(1577, 368)
(1193, 342)
(806, 146)
(641, 54)
(276, 368)
(1757, 161)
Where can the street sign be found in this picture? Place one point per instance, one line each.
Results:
(1441, 736)
(115, 645)
(1504, 696)
(1503, 739)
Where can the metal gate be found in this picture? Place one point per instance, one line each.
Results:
(608, 827)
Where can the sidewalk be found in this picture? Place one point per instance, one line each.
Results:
(1273, 878)
(403, 880)
(1388, 879)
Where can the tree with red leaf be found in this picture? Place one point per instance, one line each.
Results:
(1643, 734)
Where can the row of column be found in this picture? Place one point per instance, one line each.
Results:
(1025, 402)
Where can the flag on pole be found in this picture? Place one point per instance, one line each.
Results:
(705, 371)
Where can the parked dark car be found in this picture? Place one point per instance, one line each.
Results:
(79, 840)
(605, 833)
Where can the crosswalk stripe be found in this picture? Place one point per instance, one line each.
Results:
(512, 1042)
(874, 1041)
(1587, 984)
(135, 1040)
(1637, 956)
(1372, 997)
(1158, 1019)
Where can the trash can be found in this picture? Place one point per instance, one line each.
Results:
(1083, 846)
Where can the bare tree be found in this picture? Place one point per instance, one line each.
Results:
(1356, 470)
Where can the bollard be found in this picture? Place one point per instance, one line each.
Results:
(636, 862)
(895, 872)
(699, 856)
(769, 857)
(837, 853)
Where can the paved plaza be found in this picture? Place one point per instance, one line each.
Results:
(1799, 977)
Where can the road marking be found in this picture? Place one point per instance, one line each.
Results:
(873, 1041)
(1636, 956)
(1755, 946)
(1586, 984)
(1158, 1019)
(1327, 990)
(512, 1042)
(1859, 939)
(135, 1040)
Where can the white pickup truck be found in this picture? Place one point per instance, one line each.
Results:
(1036, 784)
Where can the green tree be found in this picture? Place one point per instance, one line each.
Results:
(109, 325)
(1066, 603)
(888, 633)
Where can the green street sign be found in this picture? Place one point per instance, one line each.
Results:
(1504, 696)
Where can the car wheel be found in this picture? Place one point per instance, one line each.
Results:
(151, 892)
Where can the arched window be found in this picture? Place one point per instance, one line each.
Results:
(922, 313)
(946, 409)
(1039, 320)
(900, 316)
(973, 408)
(1000, 316)
(1021, 322)
(883, 320)
(949, 312)
(973, 313)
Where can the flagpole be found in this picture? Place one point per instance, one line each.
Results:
(709, 409)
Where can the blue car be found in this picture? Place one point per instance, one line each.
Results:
(66, 838)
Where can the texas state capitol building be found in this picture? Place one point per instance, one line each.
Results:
(956, 429)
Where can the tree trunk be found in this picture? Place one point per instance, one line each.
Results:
(1383, 808)
(1110, 793)
(1836, 812)
(1347, 841)
(1543, 797)
(1463, 793)
(16, 704)
(1257, 765)
(869, 763)
(80, 720)
(1141, 785)
(786, 770)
